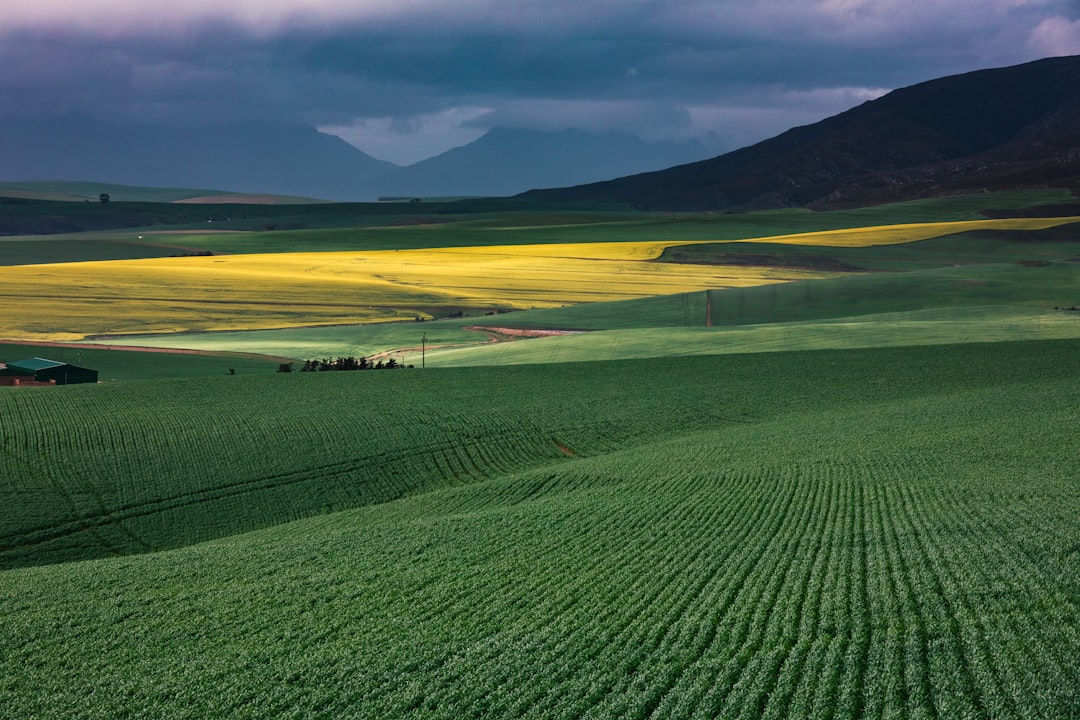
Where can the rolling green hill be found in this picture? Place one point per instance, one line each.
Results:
(1041, 285)
(844, 534)
(983, 324)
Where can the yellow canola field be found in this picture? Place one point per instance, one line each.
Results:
(72, 301)
(235, 292)
(910, 232)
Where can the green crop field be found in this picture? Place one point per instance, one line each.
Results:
(85, 247)
(1039, 285)
(834, 534)
(853, 496)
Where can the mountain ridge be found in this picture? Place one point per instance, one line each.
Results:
(1004, 128)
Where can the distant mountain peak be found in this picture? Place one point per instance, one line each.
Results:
(508, 160)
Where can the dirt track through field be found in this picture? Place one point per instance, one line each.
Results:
(494, 335)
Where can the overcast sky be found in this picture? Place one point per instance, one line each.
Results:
(408, 79)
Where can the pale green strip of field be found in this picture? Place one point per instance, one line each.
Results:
(317, 342)
(926, 327)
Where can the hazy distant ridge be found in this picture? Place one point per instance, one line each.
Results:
(252, 158)
(301, 161)
(509, 161)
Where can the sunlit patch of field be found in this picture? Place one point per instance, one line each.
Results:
(294, 289)
(927, 327)
(261, 291)
(907, 232)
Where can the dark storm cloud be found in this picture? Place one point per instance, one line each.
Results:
(649, 66)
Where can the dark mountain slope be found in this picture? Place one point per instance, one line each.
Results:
(993, 129)
(506, 161)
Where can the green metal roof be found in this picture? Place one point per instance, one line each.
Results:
(34, 364)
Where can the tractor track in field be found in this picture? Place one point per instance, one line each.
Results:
(505, 334)
(454, 460)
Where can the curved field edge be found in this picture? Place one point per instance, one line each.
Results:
(867, 548)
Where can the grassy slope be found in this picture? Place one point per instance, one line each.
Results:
(928, 327)
(312, 442)
(1039, 286)
(760, 536)
(50, 249)
(160, 465)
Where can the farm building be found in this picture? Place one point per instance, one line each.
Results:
(44, 372)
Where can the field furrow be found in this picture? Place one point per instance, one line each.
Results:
(832, 535)
(975, 572)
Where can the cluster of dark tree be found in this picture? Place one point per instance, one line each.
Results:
(201, 253)
(346, 363)
(463, 314)
(1071, 308)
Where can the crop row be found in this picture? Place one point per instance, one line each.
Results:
(693, 577)
(806, 536)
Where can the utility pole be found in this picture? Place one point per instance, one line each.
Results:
(423, 351)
